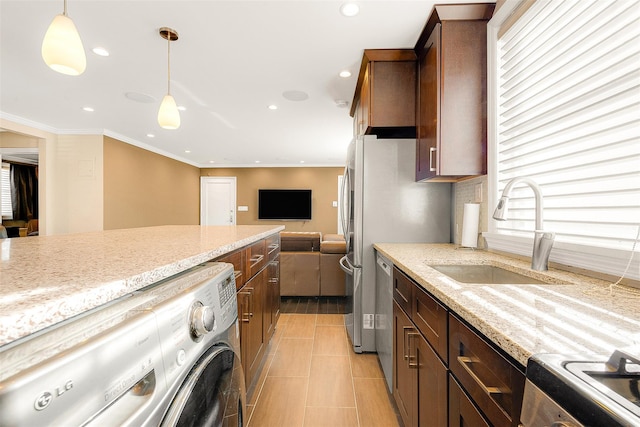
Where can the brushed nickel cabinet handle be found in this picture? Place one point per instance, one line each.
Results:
(465, 362)
(412, 335)
(432, 150)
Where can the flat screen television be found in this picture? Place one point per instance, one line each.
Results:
(293, 205)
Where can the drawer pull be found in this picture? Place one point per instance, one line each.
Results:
(465, 362)
(273, 246)
(256, 259)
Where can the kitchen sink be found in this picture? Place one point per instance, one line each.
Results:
(485, 274)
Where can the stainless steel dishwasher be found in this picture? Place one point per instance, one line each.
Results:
(384, 316)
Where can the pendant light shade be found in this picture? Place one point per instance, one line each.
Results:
(168, 115)
(62, 48)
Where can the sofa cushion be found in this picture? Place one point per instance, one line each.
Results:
(300, 241)
(333, 247)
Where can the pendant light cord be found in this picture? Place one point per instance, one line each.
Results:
(169, 64)
(64, 12)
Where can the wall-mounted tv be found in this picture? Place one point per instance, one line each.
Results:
(293, 205)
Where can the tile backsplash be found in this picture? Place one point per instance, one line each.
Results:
(470, 191)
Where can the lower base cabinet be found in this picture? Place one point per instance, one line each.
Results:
(250, 308)
(420, 377)
(446, 373)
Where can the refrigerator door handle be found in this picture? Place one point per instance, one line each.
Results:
(346, 266)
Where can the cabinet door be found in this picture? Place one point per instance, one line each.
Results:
(404, 377)
(252, 339)
(462, 413)
(428, 107)
(431, 382)
(272, 302)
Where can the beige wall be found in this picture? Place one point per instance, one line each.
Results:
(74, 183)
(144, 189)
(322, 181)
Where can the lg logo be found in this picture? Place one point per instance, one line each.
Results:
(46, 397)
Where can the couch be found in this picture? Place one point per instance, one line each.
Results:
(309, 264)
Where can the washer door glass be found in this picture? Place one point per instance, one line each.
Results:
(212, 394)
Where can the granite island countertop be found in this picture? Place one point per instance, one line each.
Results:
(48, 279)
(569, 314)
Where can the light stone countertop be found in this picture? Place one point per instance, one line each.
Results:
(47, 279)
(580, 316)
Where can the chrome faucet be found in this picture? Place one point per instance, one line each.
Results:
(543, 241)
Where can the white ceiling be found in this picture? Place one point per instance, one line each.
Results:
(232, 60)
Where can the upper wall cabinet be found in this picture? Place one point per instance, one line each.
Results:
(451, 104)
(384, 101)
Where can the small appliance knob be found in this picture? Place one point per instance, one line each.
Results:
(202, 320)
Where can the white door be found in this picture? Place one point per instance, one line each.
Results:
(217, 200)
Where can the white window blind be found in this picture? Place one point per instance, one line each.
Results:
(568, 116)
(5, 192)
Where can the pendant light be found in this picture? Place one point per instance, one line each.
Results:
(62, 48)
(168, 115)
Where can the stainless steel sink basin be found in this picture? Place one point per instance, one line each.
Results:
(485, 274)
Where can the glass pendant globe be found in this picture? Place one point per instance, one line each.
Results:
(62, 48)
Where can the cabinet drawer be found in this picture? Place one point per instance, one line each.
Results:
(494, 384)
(431, 319)
(402, 290)
(238, 260)
(272, 246)
(256, 258)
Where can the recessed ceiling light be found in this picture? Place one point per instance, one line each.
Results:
(100, 51)
(273, 107)
(89, 109)
(187, 151)
(301, 161)
(349, 9)
(345, 73)
(182, 108)
(257, 161)
(150, 135)
(212, 161)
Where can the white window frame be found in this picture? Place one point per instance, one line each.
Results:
(612, 262)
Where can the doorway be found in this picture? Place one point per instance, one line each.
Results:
(217, 200)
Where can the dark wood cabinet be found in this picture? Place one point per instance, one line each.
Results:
(493, 383)
(403, 376)
(238, 259)
(419, 375)
(384, 101)
(463, 413)
(257, 273)
(272, 306)
(251, 299)
(451, 93)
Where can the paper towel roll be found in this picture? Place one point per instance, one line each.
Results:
(470, 222)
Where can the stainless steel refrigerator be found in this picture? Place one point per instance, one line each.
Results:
(381, 202)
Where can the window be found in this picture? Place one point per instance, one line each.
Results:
(5, 192)
(565, 89)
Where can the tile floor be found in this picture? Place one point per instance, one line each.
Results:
(311, 378)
